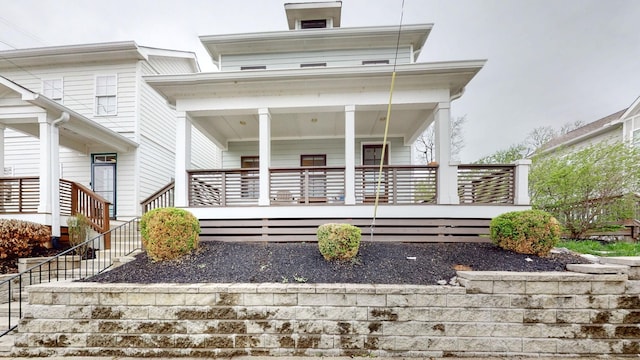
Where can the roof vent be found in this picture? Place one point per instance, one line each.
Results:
(313, 15)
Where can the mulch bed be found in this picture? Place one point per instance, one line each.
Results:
(380, 263)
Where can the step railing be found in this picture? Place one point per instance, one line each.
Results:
(77, 199)
(79, 262)
(160, 199)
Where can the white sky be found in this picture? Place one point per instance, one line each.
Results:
(549, 61)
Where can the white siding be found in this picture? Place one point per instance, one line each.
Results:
(167, 65)
(22, 152)
(79, 89)
(287, 153)
(204, 154)
(331, 58)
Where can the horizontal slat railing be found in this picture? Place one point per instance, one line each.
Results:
(19, 195)
(486, 184)
(399, 185)
(223, 187)
(160, 199)
(307, 186)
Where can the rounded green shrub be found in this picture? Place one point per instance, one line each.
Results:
(526, 232)
(338, 241)
(169, 233)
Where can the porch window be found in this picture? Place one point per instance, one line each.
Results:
(106, 95)
(316, 186)
(250, 181)
(52, 89)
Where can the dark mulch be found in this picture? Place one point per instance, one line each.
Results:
(380, 263)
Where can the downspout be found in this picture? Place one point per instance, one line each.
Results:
(55, 193)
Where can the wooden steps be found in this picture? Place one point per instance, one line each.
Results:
(385, 229)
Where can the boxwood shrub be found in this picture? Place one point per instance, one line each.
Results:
(527, 232)
(169, 233)
(338, 241)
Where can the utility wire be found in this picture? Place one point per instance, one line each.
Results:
(386, 125)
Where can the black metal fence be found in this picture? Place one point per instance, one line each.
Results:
(79, 262)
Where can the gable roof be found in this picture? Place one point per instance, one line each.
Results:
(584, 132)
(97, 52)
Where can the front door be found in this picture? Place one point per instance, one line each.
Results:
(103, 178)
(372, 156)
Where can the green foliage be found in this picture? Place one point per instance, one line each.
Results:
(338, 241)
(589, 188)
(507, 156)
(19, 238)
(169, 233)
(527, 232)
(78, 226)
(602, 249)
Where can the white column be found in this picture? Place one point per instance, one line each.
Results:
(45, 133)
(55, 181)
(447, 171)
(2, 127)
(265, 155)
(349, 154)
(183, 159)
(522, 182)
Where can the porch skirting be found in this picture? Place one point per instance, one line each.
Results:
(393, 223)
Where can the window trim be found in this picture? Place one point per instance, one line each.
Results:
(96, 96)
(61, 99)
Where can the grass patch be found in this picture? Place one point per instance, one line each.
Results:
(601, 249)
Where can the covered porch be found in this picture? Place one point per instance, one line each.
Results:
(42, 196)
(301, 147)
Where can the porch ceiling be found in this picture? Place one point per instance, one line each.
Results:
(301, 123)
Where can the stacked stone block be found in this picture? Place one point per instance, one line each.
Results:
(492, 314)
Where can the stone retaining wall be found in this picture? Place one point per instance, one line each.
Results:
(492, 314)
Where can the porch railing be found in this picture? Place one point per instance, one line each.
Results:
(223, 187)
(308, 185)
(398, 184)
(159, 199)
(19, 195)
(486, 184)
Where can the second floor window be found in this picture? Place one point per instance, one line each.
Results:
(106, 95)
(52, 89)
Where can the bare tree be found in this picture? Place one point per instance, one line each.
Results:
(570, 126)
(426, 143)
(538, 137)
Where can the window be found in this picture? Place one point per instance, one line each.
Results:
(375, 62)
(250, 180)
(106, 95)
(636, 138)
(372, 155)
(52, 89)
(313, 24)
(256, 67)
(317, 178)
(313, 65)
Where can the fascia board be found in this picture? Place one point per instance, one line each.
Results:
(612, 126)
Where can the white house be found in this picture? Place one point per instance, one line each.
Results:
(300, 116)
(83, 114)
(623, 125)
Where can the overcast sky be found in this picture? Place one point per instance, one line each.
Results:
(549, 61)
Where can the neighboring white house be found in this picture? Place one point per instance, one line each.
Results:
(623, 125)
(83, 113)
(300, 117)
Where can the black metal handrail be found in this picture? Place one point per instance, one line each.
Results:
(62, 266)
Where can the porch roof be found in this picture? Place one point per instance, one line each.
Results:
(19, 109)
(310, 103)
